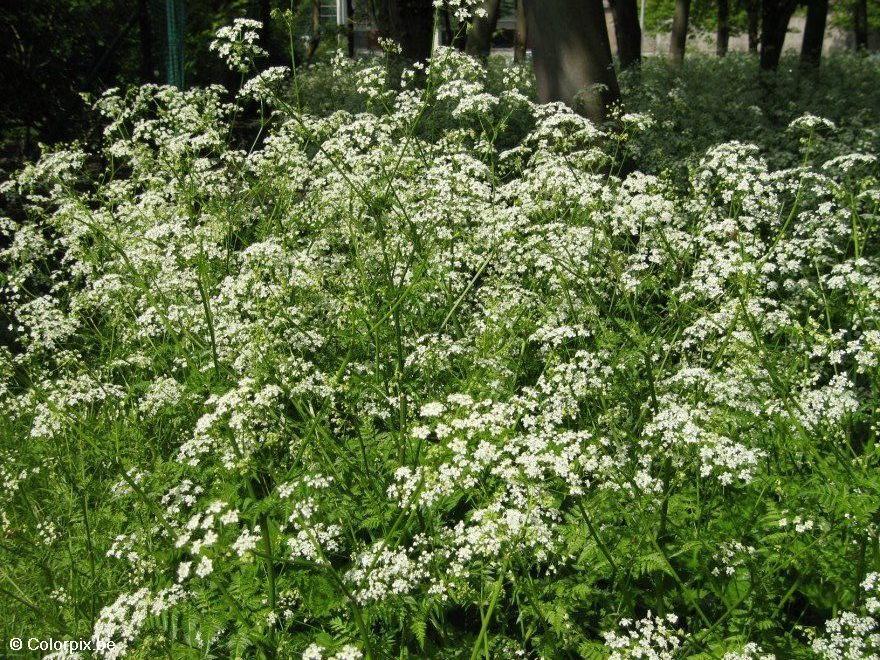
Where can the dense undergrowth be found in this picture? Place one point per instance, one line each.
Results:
(433, 371)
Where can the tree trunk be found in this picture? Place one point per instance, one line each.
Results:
(349, 29)
(774, 24)
(723, 28)
(145, 28)
(316, 17)
(447, 31)
(519, 47)
(315, 38)
(860, 22)
(753, 17)
(572, 55)
(479, 38)
(679, 31)
(628, 32)
(265, 18)
(814, 32)
(410, 23)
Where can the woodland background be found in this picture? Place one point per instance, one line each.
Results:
(54, 51)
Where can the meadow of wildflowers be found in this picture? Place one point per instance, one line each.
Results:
(335, 368)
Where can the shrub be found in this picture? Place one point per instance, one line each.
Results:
(444, 373)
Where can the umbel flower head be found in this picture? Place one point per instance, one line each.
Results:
(237, 45)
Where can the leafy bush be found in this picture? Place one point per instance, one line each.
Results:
(444, 373)
(711, 100)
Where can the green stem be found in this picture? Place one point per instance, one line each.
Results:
(493, 600)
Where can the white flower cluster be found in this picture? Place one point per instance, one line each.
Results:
(126, 548)
(163, 394)
(827, 404)
(202, 532)
(463, 10)
(749, 651)
(236, 44)
(731, 556)
(851, 634)
(265, 85)
(809, 122)
(380, 571)
(246, 413)
(245, 543)
(122, 621)
(318, 652)
(46, 325)
(62, 401)
(651, 637)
